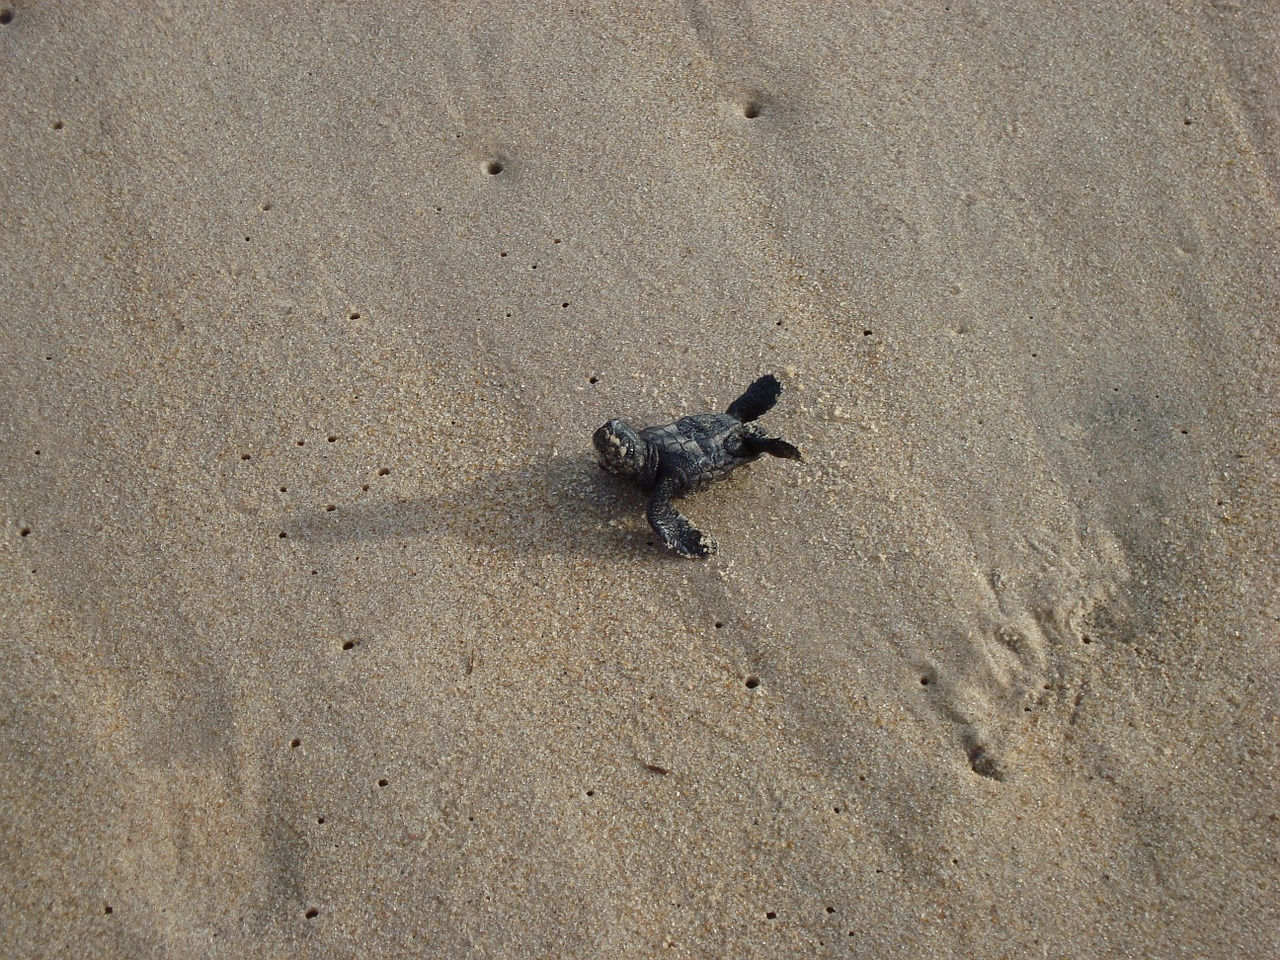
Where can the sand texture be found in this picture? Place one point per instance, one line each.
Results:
(323, 635)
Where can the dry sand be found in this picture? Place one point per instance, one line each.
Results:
(325, 637)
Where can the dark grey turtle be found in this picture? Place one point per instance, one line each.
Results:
(678, 458)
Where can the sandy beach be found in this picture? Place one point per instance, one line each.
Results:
(324, 635)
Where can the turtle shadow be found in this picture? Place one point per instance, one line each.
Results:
(561, 506)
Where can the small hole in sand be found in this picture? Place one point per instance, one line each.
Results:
(330, 507)
(593, 379)
(383, 782)
(108, 910)
(57, 124)
(493, 167)
(355, 316)
(302, 443)
(751, 110)
(383, 471)
(284, 489)
(866, 333)
(771, 915)
(924, 681)
(266, 206)
(719, 624)
(364, 487)
(565, 304)
(591, 793)
(295, 743)
(348, 644)
(6, 17)
(753, 682)
(283, 535)
(246, 456)
(319, 819)
(312, 913)
(24, 532)
(831, 909)
(331, 438)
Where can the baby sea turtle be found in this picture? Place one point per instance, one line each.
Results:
(677, 458)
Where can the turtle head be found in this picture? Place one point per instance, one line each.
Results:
(621, 450)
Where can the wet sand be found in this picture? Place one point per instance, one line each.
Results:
(325, 636)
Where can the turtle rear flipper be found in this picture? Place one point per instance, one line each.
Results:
(774, 446)
(757, 401)
(672, 526)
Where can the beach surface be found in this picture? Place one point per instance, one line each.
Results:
(324, 635)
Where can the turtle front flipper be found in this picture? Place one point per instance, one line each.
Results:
(672, 526)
